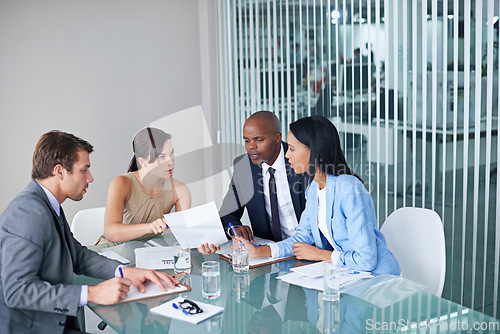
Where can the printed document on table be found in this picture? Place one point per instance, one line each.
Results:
(311, 270)
(196, 226)
(154, 257)
(346, 277)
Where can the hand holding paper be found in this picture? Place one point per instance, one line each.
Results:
(197, 226)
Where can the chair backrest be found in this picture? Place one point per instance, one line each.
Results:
(416, 237)
(88, 225)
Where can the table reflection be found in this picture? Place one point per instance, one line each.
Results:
(261, 303)
(258, 302)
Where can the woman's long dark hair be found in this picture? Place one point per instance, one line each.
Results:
(322, 138)
(147, 144)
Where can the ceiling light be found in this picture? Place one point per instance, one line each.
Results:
(335, 16)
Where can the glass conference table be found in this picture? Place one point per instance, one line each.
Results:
(257, 302)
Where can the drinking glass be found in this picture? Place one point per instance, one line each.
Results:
(211, 286)
(241, 258)
(182, 260)
(331, 281)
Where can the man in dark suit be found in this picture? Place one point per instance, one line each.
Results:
(39, 254)
(264, 184)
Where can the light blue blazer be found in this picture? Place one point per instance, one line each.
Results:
(352, 226)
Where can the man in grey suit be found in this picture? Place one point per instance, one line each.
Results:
(39, 254)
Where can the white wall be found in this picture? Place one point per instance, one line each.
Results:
(99, 69)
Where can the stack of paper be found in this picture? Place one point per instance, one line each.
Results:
(311, 276)
(154, 257)
(311, 270)
(167, 310)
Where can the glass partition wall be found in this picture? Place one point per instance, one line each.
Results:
(412, 87)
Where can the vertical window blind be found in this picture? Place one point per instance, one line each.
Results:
(412, 87)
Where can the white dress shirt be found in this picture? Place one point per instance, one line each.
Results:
(288, 219)
(322, 225)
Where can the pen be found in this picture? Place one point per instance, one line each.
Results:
(174, 305)
(121, 271)
(233, 230)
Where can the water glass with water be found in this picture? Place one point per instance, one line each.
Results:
(182, 260)
(331, 281)
(211, 286)
(241, 258)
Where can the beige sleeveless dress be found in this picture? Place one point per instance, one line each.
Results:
(142, 208)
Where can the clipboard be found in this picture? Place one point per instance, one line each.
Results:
(152, 290)
(257, 262)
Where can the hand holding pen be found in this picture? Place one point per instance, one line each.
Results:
(241, 231)
(254, 250)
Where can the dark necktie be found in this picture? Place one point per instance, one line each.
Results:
(326, 243)
(275, 215)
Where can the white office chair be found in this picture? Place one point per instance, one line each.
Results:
(416, 237)
(88, 225)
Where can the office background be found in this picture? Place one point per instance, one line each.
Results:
(103, 70)
(413, 89)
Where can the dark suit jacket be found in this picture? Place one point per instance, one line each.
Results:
(38, 258)
(246, 190)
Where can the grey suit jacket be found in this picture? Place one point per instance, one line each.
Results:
(38, 258)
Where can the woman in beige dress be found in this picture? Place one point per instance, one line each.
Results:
(138, 200)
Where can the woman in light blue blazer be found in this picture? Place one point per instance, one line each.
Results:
(339, 221)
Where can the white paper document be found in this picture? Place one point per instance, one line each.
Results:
(167, 310)
(303, 281)
(346, 277)
(152, 290)
(196, 226)
(311, 270)
(114, 256)
(154, 257)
